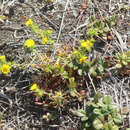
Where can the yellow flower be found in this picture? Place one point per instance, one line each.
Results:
(83, 59)
(33, 87)
(5, 69)
(44, 40)
(2, 58)
(49, 31)
(87, 44)
(83, 44)
(29, 43)
(29, 22)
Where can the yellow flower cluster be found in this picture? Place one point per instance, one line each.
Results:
(44, 40)
(29, 43)
(83, 59)
(86, 44)
(5, 69)
(29, 22)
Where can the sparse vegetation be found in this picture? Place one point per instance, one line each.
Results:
(55, 56)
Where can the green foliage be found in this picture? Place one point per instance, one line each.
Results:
(122, 59)
(38, 92)
(101, 27)
(100, 114)
(39, 33)
(97, 66)
(57, 98)
(111, 21)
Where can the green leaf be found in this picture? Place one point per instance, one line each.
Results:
(84, 118)
(98, 124)
(97, 111)
(2, 17)
(113, 23)
(111, 127)
(80, 72)
(106, 127)
(97, 97)
(73, 92)
(118, 120)
(118, 65)
(124, 63)
(87, 124)
(75, 67)
(72, 83)
(80, 113)
(106, 29)
(34, 28)
(70, 65)
(100, 68)
(107, 100)
(115, 108)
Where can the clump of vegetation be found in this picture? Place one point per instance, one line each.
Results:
(43, 35)
(122, 59)
(100, 27)
(100, 114)
(63, 69)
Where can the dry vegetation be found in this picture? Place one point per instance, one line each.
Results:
(70, 71)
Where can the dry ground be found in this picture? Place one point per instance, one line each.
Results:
(16, 106)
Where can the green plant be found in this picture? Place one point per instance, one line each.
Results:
(38, 92)
(122, 59)
(97, 66)
(100, 114)
(57, 98)
(39, 33)
(101, 27)
(111, 21)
